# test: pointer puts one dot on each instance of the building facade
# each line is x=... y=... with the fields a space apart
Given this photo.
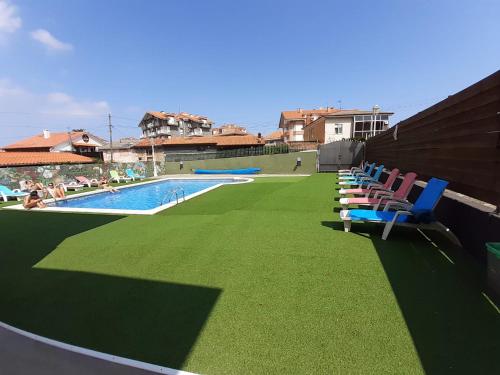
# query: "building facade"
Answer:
x=229 y=129
x=293 y=122
x=165 y=125
x=123 y=151
x=329 y=124
x=165 y=147
x=346 y=124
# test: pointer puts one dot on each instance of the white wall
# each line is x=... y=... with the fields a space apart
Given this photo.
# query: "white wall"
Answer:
x=330 y=135
x=121 y=156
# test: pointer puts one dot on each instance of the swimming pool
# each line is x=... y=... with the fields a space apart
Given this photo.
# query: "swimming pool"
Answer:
x=142 y=198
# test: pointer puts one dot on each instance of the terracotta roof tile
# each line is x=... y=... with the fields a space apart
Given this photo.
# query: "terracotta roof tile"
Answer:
x=179 y=116
x=303 y=113
x=278 y=134
x=8 y=159
x=229 y=140
x=38 y=141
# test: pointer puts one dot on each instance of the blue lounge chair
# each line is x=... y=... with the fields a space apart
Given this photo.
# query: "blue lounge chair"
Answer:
x=6 y=193
x=357 y=174
x=417 y=215
x=134 y=176
x=365 y=180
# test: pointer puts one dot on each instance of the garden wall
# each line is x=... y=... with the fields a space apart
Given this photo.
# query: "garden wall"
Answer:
x=457 y=139
x=279 y=164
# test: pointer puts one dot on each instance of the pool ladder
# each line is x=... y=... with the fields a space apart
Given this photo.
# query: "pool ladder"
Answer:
x=174 y=193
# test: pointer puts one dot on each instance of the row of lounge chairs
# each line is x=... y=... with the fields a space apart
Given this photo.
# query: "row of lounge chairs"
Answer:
x=115 y=177
x=80 y=183
x=389 y=205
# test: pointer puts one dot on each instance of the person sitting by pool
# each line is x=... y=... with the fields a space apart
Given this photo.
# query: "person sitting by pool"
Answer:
x=29 y=185
x=37 y=185
x=56 y=191
x=33 y=200
x=104 y=184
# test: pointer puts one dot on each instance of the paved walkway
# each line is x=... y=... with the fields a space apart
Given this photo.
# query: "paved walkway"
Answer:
x=20 y=355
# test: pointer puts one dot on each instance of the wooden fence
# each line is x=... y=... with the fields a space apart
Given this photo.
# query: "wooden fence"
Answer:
x=457 y=139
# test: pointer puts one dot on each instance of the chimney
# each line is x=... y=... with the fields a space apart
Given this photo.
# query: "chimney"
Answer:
x=46 y=134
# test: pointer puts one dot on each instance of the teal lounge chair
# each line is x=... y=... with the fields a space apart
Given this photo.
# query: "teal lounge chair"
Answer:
x=6 y=193
x=357 y=174
x=134 y=176
x=364 y=180
x=417 y=215
x=117 y=178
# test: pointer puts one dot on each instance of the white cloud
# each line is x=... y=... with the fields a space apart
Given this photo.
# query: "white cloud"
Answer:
x=24 y=112
x=9 y=20
x=50 y=41
x=61 y=104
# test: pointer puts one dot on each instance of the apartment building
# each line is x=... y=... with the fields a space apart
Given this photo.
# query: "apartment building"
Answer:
x=164 y=125
x=293 y=122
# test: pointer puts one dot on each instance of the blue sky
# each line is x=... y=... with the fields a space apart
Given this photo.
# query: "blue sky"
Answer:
x=68 y=63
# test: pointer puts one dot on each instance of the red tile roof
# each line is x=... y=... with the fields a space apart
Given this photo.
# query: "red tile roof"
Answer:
x=8 y=159
x=38 y=141
x=278 y=134
x=228 y=140
x=179 y=116
x=303 y=113
x=238 y=140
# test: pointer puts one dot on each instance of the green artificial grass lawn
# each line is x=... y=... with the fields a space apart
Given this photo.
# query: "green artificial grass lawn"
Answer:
x=254 y=278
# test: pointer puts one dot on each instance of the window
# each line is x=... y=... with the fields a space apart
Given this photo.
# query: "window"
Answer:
x=338 y=128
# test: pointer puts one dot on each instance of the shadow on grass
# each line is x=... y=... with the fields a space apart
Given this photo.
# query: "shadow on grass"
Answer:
x=151 y=321
x=439 y=291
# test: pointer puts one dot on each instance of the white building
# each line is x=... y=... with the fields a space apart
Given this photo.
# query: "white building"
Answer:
x=325 y=125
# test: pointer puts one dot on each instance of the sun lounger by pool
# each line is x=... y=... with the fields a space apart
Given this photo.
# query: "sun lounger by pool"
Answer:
x=6 y=193
x=117 y=178
x=381 y=197
x=373 y=186
x=134 y=176
x=417 y=215
x=72 y=186
x=357 y=174
x=364 y=180
x=363 y=168
x=87 y=182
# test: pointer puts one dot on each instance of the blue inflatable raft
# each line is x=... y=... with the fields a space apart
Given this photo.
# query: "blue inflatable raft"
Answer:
x=227 y=171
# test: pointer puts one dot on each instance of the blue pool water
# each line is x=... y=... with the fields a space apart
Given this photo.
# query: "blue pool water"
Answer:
x=142 y=197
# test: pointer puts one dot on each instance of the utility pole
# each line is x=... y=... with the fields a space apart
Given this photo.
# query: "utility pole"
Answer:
x=70 y=140
x=155 y=172
x=110 y=137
